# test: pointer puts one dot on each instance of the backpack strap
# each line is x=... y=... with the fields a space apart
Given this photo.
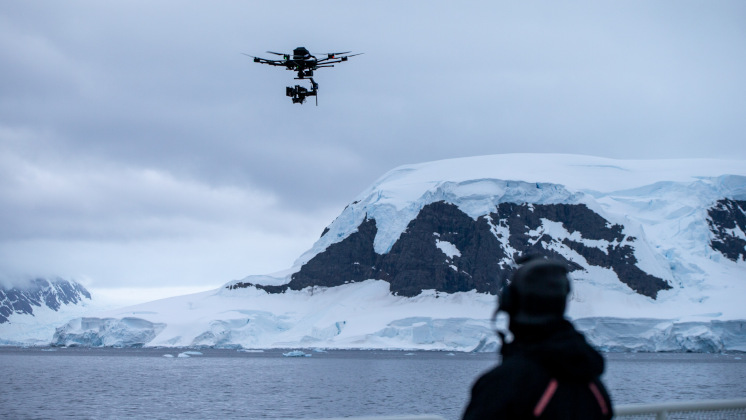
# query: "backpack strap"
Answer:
x=546 y=397
x=599 y=398
x=552 y=388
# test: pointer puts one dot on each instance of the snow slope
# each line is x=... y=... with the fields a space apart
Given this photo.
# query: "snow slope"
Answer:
x=31 y=309
x=663 y=203
x=358 y=315
x=365 y=316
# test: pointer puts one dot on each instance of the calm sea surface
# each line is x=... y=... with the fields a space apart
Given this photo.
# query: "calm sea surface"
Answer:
x=228 y=384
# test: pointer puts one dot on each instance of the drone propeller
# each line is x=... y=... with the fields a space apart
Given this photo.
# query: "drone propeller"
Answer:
x=335 y=54
x=338 y=57
x=284 y=56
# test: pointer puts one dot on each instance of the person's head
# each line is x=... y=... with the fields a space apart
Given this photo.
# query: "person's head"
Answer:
x=537 y=292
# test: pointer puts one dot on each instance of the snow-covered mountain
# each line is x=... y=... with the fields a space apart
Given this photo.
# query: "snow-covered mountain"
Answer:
x=658 y=250
x=28 y=308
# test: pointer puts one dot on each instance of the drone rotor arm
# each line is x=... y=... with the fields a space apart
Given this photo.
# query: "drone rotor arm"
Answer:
x=333 y=54
x=329 y=61
x=270 y=62
x=337 y=57
x=284 y=56
x=266 y=61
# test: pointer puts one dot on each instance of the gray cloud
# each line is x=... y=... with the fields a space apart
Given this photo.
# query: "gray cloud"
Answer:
x=141 y=123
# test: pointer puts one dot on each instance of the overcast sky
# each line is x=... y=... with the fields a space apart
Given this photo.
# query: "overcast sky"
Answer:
x=140 y=149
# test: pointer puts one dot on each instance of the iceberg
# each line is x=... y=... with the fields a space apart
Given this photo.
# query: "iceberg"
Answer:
x=296 y=353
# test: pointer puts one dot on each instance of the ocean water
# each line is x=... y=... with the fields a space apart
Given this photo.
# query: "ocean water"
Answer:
x=77 y=383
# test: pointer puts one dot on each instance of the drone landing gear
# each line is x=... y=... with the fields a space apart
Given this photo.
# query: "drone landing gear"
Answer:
x=299 y=93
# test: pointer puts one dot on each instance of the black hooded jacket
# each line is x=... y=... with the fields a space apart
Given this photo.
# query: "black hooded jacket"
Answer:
x=549 y=371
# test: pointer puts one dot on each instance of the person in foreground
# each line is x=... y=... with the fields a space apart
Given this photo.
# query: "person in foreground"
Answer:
x=548 y=370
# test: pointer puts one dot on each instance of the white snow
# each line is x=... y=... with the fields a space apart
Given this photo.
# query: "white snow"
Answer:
x=364 y=315
x=448 y=248
x=36 y=329
x=296 y=353
x=659 y=189
x=661 y=203
x=355 y=315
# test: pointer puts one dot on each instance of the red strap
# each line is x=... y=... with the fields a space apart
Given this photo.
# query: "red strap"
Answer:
x=548 y=393
x=599 y=398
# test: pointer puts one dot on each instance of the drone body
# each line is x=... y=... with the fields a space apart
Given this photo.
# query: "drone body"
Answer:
x=303 y=63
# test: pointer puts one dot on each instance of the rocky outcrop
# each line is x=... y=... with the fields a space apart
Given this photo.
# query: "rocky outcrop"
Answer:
x=727 y=220
x=444 y=249
x=38 y=293
x=599 y=242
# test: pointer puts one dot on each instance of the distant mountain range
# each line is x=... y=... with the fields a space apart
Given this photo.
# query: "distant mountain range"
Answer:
x=26 y=296
x=657 y=250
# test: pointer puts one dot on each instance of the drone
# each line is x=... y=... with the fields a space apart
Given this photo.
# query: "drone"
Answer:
x=304 y=63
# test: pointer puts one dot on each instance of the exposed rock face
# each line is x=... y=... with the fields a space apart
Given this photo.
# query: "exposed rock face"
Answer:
x=446 y=250
x=37 y=293
x=728 y=224
x=599 y=242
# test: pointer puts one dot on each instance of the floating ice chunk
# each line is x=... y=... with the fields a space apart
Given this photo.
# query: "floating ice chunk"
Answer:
x=168 y=355
x=296 y=353
x=183 y=355
x=192 y=353
x=250 y=351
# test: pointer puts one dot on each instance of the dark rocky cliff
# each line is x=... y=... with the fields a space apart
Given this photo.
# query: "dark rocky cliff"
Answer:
x=482 y=250
x=727 y=220
x=37 y=293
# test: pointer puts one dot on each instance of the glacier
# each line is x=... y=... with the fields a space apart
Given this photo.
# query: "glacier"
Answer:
x=364 y=315
x=666 y=205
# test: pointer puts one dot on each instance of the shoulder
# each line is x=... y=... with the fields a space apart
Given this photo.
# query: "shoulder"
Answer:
x=506 y=390
x=508 y=372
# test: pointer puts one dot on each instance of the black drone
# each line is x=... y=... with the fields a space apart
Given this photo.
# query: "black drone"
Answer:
x=304 y=63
